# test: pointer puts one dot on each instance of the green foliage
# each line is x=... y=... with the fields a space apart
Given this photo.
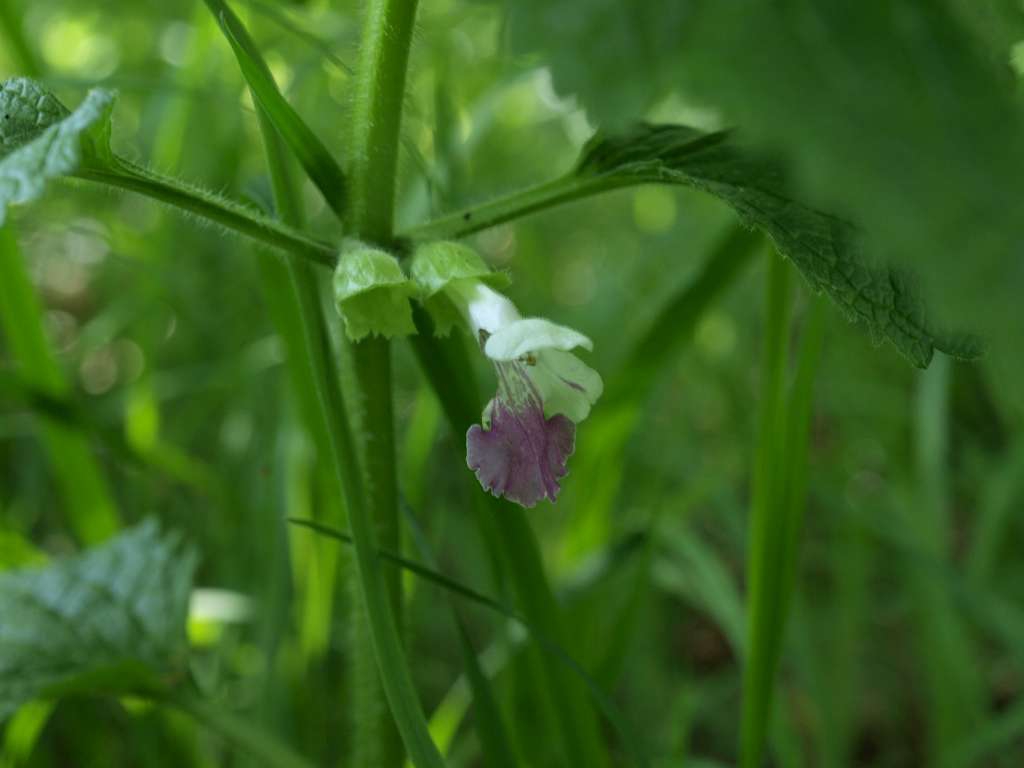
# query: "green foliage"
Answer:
x=878 y=109
x=41 y=140
x=109 y=620
x=147 y=363
x=904 y=118
x=826 y=249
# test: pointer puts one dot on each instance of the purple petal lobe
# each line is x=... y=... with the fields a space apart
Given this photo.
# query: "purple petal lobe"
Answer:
x=522 y=455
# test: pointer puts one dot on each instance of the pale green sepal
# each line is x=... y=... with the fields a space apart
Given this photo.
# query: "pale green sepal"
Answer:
x=567 y=385
x=437 y=268
x=531 y=335
x=41 y=140
x=372 y=293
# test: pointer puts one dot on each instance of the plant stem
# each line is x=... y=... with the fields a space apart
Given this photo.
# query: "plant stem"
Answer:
x=377 y=114
x=376 y=743
x=230 y=215
x=548 y=194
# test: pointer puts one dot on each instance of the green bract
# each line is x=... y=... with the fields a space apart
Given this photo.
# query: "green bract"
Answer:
x=441 y=265
x=40 y=139
x=372 y=293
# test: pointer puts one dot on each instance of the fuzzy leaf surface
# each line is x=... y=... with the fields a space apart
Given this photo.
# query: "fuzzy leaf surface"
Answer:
x=111 y=619
x=40 y=139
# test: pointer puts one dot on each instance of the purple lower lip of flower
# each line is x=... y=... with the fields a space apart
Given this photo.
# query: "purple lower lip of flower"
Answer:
x=522 y=456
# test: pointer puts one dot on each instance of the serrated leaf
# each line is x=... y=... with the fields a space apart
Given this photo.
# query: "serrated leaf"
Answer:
x=904 y=117
x=41 y=140
x=111 y=619
x=372 y=293
x=435 y=265
x=825 y=249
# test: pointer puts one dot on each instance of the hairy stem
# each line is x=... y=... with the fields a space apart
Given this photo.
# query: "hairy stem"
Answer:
x=228 y=214
x=516 y=205
x=377 y=114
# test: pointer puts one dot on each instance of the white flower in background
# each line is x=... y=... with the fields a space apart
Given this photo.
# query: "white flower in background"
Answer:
x=528 y=428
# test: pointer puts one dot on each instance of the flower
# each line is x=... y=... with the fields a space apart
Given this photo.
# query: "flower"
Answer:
x=528 y=429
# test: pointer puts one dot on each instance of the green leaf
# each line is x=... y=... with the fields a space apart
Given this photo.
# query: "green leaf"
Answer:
x=372 y=293
x=825 y=249
x=311 y=153
x=41 y=140
x=111 y=620
x=435 y=265
x=904 y=117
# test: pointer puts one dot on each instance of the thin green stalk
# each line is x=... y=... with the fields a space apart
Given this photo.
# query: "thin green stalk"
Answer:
x=548 y=194
x=254 y=740
x=954 y=700
x=230 y=215
x=377 y=114
x=763 y=568
x=797 y=435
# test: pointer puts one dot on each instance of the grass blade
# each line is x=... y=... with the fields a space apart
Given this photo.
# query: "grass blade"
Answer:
x=495 y=743
x=777 y=506
x=764 y=568
x=954 y=699
x=555 y=649
x=311 y=153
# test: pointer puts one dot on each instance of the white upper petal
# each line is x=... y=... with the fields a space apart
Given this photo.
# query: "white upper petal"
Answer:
x=532 y=334
x=484 y=308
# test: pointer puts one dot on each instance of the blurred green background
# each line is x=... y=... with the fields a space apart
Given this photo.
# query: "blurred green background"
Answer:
x=906 y=642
